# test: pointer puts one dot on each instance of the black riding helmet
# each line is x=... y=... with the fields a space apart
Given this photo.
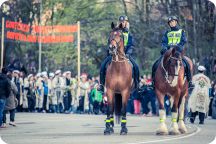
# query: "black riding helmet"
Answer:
x=172 y=18
x=123 y=18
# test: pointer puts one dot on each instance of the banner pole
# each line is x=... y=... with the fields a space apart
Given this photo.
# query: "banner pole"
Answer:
x=78 y=59
x=40 y=45
x=2 y=43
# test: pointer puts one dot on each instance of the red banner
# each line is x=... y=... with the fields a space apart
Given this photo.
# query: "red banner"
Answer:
x=49 y=34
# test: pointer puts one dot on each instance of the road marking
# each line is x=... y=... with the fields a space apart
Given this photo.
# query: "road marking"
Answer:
x=169 y=139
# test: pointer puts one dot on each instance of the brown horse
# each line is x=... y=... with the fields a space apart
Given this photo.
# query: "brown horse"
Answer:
x=170 y=80
x=118 y=81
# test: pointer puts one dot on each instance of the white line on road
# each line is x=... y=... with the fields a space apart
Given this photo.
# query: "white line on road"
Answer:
x=169 y=139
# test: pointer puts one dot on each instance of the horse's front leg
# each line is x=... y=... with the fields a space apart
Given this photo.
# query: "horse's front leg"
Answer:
x=174 y=130
x=125 y=97
x=109 y=120
x=162 y=130
x=182 y=127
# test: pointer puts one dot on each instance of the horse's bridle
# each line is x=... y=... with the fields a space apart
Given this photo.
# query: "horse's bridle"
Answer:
x=166 y=72
x=115 y=49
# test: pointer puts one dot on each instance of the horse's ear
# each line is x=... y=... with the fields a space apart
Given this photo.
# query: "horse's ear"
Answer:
x=120 y=26
x=112 y=25
x=173 y=50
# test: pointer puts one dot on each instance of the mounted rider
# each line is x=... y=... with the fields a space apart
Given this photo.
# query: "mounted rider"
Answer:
x=174 y=37
x=128 y=47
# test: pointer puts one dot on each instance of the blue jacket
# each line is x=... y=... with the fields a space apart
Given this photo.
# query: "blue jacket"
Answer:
x=45 y=85
x=164 y=42
x=130 y=45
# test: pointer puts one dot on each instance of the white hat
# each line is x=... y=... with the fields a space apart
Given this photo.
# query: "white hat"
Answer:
x=51 y=74
x=45 y=76
x=201 y=68
x=38 y=75
x=16 y=71
x=29 y=76
x=67 y=72
x=44 y=73
x=57 y=72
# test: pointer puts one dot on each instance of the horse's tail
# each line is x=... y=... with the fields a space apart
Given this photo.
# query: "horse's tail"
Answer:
x=118 y=106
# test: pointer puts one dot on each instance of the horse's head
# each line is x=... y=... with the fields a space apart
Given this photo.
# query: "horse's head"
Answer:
x=175 y=57
x=116 y=40
x=172 y=63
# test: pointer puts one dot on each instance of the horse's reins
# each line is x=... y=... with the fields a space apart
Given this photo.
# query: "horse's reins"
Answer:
x=166 y=72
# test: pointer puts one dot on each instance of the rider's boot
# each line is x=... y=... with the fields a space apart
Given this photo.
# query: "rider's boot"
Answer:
x=188 y=74
x=102 y=81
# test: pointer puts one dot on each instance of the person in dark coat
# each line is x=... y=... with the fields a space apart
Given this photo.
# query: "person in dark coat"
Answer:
x=5 y=89
x=11 y=103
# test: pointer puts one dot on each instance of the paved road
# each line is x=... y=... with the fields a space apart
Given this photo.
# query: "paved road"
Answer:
x=38 y=128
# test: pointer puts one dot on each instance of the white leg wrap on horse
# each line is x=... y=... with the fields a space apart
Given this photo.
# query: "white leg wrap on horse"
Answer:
x=162 y=127
x=174 y=128
x=181 y=109
x=182 y=127
x=162 y=115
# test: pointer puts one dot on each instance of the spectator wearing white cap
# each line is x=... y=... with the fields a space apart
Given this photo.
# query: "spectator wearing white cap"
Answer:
x=45 y=92
x=58 y=88
x=18 y=82
x=199 y=99
x=68 y=88
x=38 y=92
x=51 y=94
x=83 y=98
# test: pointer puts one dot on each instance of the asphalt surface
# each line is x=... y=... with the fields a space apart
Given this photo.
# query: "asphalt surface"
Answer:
x=41 y=128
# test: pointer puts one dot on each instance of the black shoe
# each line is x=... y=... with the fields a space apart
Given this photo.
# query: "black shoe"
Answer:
x=192 y=120
x=190 y=85
x=201 y=122
x=101 y=88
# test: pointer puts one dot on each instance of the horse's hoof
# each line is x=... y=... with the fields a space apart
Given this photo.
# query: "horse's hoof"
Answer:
x=107 y=131
x=124 y=131
x=111 y=130
x=182 y=131
x=161 y=133
x=174 y=133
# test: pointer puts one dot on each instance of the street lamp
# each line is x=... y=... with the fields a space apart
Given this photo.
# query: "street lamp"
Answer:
x=5 y=11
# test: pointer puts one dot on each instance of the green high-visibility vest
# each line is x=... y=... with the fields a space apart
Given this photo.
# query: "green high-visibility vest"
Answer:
x=126 y=34
x=174 y=37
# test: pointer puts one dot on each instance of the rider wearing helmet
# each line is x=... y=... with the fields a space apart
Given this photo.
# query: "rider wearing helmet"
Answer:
x=173 y=37
x=128 y=47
